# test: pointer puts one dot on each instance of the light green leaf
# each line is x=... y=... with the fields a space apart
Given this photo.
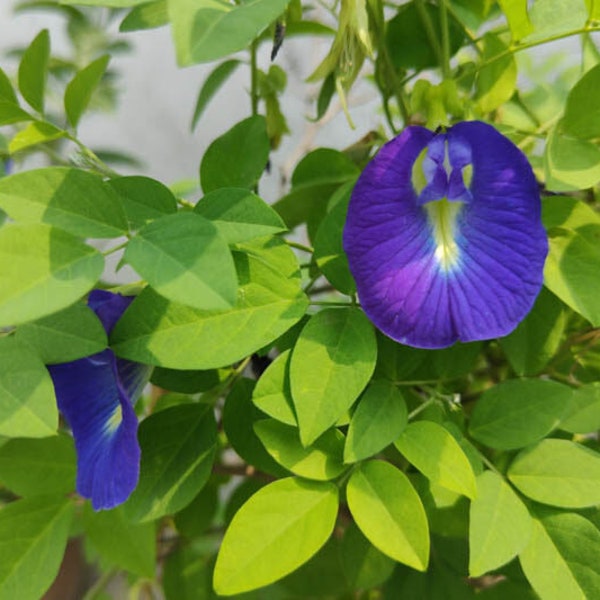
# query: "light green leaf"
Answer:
x=329 y=252
x=517 y=17
x=80 y=89
x=64 y=336
x=126 y=545
x=496 y=82
x=146 y=16
x=533 y=343
x=38 y=132
x=571 y=269
x=272 y=393
x=435 y=452
x=322 y=460
x=378 y=420
x=238 y=157
x=111 y=3
x=388 y=510
x=519 y=412
x=27 y=401
x=185 y=259
x=561 y=560
x=30 y=467
x=33 y=70
x=144 y=199
x=584 y=415
x=568 y=212
x=44 y=270
x=217 y=77
x=12 y=113
x=178 y=448
x=70 y=199
x=593 y=7
x=331 y=364
x=278 y=529
x=559 y=473
x=570 y=163
x=239 y=214
x=206 y=30
x=33 y=537
x=156 y=331
x=500 y=525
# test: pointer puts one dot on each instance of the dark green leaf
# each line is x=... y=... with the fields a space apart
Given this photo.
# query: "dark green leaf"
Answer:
x=80 y=89
x=582 y=112
x=185 y=382
x=237 y=158
x=6 y=89
x=33 y=70
x=584 y=415
x=27 y=401
x=324 y=165
x=212 y=84
x=12 y=113
x=70 y=199
x=178 y=448
x=37 y=260
x=185 y=259
x=64 y=336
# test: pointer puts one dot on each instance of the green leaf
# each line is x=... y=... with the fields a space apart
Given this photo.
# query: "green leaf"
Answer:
x=70 y=199
x=33 y=70
x=200 y=513
x=570 y=163
x=519 y=412
x=186 y=574
x=7 y=92
x=238 y=157
x=500 y=525
x=559 y=473
x=568 y=212
x=212 y=84
x=239 y=416
x=378 y=420
x=30 y=467
x=144 y=199
x=178 y=449
x=561 y=560
x=582 y=111
x=270 y=301
x=533 y=343
x=38 y=132
x=67 y=335
x=435 y=452
x=12 y=113
x=593 y=7
x=584 y=414
x=146 y=16
x=206 y=30
x=33 y=538
x=331 y=364
x=517 y=17
x=80 y=89
x=329 y=252
x=126 y=545
x=27 y=401
x=239 y=215
x=185 y=259
x=37 y=262
x=364 y=565
x=324 y=165
x=389 y=512
x=272 y=393
x=110 y=3
x=571 y=269
x=186 y=382
x=496 y=82
x=322 y=460
x=277 y=530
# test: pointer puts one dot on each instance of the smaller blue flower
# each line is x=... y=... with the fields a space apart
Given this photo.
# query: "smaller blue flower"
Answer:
x=96 y=396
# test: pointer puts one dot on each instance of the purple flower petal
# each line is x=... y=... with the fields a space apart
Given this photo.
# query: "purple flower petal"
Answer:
x=104 y=426
x=108 y=307
x=444 y=236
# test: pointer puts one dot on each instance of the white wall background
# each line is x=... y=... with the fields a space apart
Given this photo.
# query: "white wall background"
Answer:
x=156 y=101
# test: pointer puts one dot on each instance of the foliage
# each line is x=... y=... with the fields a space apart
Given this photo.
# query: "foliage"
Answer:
x=289 y=449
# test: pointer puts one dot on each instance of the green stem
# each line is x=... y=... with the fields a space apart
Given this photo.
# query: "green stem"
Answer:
x=420 y=409
x=115 y=248
x=98 y=587
x=299 y=246
x=488 y=463
x=445 y=39
x=94 y=162
x=253 y=78
x=326 y=303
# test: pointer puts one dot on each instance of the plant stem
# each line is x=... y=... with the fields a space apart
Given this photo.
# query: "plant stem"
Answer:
x=253 y=78
x=326 y=303
x=420 y=409
x=98 y=587
x=445 y=53
x=299 y=246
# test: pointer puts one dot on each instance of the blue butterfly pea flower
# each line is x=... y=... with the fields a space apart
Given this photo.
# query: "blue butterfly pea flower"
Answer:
x=96 y=395
x=444 y=236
